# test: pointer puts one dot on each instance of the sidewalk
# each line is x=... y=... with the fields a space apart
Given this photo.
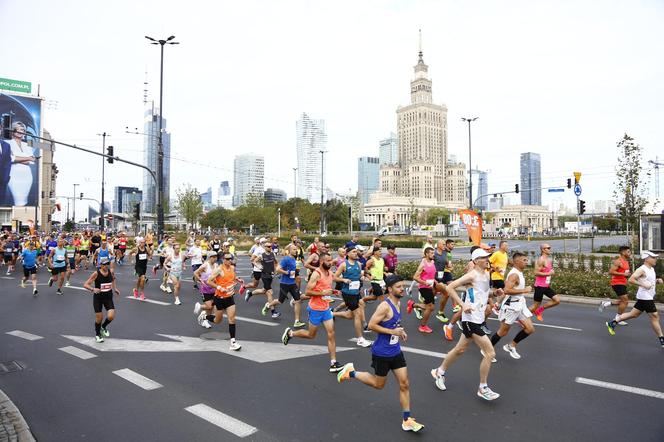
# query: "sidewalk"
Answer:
x=12 y=425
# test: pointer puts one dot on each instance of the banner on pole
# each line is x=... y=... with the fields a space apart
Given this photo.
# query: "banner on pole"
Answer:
x=473 y=223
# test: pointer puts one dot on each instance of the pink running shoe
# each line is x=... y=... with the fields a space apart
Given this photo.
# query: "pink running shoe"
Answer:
x=242 y=289
x=142 y=296
x=538 y=313
x=425 y=329
x=409 y=306
x=135 y=293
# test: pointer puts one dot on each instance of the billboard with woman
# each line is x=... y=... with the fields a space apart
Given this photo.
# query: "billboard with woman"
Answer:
x=19 y=174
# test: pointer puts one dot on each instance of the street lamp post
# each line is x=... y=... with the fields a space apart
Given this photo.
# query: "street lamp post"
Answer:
x=103 y=169
x=295 y=181
x=160 y=148
x=322 y=189
x=279 y=222
x=470 y=162
x=73 y=218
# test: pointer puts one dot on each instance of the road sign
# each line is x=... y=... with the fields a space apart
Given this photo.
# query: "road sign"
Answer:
x=577 y=176
x=556 y=190
x=577 y=189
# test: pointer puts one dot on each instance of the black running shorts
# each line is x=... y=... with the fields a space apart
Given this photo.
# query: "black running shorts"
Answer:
x=382 y=365
x=540 y=292
x=223 y=303
x=104 y=300
x=470 y=329
x=647 y=306
x=619 y=289
x=351 y=301
x=288 y=289
x=141 y=270
x=427 y=294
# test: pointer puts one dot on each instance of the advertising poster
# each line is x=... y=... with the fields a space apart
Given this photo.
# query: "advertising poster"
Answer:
x=473 y=223
x=19 y=161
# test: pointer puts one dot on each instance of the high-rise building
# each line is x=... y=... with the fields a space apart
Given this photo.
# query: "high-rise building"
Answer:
x=130 y=199
x=480 y=189
x=224 y=197
x=275 y=195
x=248 y=174
x=118 y=198
x=311 y=140
x=456 y=185
x=389 y=150
x=531 y=179
x=151 y=148
x=206 y=199
x=368 y=177
x=224 y=188
x=495 y=203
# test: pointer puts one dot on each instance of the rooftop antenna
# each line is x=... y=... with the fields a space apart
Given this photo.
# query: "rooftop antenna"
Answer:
x=145 y=88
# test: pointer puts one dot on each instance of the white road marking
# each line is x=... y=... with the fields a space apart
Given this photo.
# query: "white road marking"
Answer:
x=416 y=350
x=77 y=288
x=221 y=420
x=151 y=301
x=25 y=335
x=549 y=326
x=137 y=379
x=620 y=387
x=6 y=277
x=257 y=321
x=75 y=351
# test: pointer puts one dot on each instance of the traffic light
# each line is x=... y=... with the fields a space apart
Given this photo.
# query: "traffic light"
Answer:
x=582 y=207
x=7 y=127
x=569 y=183
x=137 y=211
x=516 y=188
x=109 y=152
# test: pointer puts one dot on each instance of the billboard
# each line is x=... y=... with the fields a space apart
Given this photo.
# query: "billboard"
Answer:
x=19 y=161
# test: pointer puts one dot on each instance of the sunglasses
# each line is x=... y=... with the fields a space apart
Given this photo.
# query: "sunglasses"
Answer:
x=546 y=248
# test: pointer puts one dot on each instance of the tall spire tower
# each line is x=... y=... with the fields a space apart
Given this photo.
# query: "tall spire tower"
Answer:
x=420 y=87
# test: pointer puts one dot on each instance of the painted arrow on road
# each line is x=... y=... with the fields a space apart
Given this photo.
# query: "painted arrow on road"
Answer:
x=252 y=350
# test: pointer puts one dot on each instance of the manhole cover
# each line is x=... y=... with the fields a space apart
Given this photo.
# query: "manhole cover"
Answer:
x=10 y=367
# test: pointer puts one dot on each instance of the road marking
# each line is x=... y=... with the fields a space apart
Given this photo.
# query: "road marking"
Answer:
x=151 y=301
x=75 y=351
x=76 y=288
x=25 y=335
x=137 y=379
x=257 y=321
x=620 y=387
x=222 y=420
x=6 y=277
x=549 y=326
x=416 y=350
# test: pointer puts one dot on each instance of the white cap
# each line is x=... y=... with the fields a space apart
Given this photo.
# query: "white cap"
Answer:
x=230 y=238
x=226 y=243
x=479 y=253
x=360 y=247
x=648 y=254
x=211 y=253
x=262 y=240
x=257 y=238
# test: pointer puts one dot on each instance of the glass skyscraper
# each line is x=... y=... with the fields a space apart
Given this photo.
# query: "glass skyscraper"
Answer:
x=311 y=139
x=389 y=150
x=531 y=179
x=248 y=173
x=151 y=145
x=368 y=177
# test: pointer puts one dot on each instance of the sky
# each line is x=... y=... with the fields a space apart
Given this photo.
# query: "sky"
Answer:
x=565 y=79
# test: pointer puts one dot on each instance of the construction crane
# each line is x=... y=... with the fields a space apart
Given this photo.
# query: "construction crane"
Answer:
x=656 y=165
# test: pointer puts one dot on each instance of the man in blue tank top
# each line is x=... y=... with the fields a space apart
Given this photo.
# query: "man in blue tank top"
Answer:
x=57 y=260
x=386 y=351
x=349 y=273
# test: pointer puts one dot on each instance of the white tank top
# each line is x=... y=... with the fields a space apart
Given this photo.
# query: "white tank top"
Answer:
x=649 y=294
x=520 y=286
x=477 y=296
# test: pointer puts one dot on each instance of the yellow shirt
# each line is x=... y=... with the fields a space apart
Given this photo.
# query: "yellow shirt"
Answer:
x=498 y=260
x=204 y=245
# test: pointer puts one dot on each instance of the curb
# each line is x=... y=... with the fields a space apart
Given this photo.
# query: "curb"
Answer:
x=17 y=428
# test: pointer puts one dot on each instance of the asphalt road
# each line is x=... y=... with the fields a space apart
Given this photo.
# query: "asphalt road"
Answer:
x=290 y=396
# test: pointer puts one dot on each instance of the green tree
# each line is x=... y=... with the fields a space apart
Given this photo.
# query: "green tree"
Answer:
x=631 y=183
x=216 y=218
x=190 y=205
x=432 y=215
x=608 y=223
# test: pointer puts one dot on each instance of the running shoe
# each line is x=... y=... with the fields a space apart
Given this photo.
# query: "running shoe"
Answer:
x=449 y=332
x=298 y=324
x=67 y=284
x=538 y=313
x=99 y=339
x=440 y=379
x=177 y=301
x=603 y=305
x=493 y=360
x=361 y=342
x=344 y=374
x=104 y=332
x=8 y=273
x=201 y=318
x=168 y=289
x=58 y=292
x=418 y=313
x=487 y=394
x=409 y=306
x=623 y=323
x=336 y=367
x=207 y=324
x=661 y=341
x=197 y=308
x=366 y=328
x=142 y=296
x=275 y=315
x=292 y=302
x=248 y=295
x=135 y=292
x=424 y=329
x=242 y=289
x=35 y=292
x=22 y=284
x=612 y=331
x=50 y=282
x=235 y=346
x=411 y=425
x=285 y=337
x=442 y=318
x=265 y=308
x=162 y=288
x=456 y=308
x=512 y=351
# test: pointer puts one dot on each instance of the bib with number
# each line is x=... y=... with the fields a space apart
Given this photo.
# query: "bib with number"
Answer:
x=440 y=275
x=142 y=256
x=106 y=286
x=354 y=285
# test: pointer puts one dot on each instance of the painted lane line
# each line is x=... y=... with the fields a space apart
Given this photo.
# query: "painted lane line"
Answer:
x=137 y=379
x=75 y=351
x=76 y=288
x=549 y=326
x=25 y=335
x=151 y=301
x=416 y=350
x=221 y=420
x=620 y=387
x=257 y=321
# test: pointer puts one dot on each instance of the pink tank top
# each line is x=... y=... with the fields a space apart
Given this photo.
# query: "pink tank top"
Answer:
x=544 y=281
x=428 y=274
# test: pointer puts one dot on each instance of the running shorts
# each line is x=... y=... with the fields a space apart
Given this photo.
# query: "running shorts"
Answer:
x=83 y=252
x=257 y=275
x=619 y=289
x=8 y=257
x=497 y=283
x=317 y=317
x=427 y=294
x=513 y=312
x=285 y=290
x=207 y=297
x=141 y=270
x=382 y=365
x=644 y=305
x=223 y=303
x=376 y=289
x=351 y=301
x=267 y=282
x=57 y=270
x=447 y=277
x=540 y=292
x=162 y=259
x=27 y=271
x=470 y=328
x=104 y=300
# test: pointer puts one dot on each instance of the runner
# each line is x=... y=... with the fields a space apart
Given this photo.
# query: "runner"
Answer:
x=201 y=276
x=224 y=279
x=70 y=250
x=443 y=266
x=83 y=252
x=313 y=262
x=647 y=281
x=425 y=277
x=196 y=255
x=174 y=265
x=95 y=243
x=513 y=307
x=287 y=269
x=375 y=271
x=318 y=287
x=476 y=299
x=391 y=260
x=29 y=259
x=386 y=354
x=149 y=241
x=619 y=272
x=142 y=254
x=543 y=273
x=104 y=286
x=215 y=244
x=102 y=252
x=256 y=254
x=121 y=248
x=8 y=253
x=57 y=260
x=428 y=244
x=349 y=274
x=498 y=263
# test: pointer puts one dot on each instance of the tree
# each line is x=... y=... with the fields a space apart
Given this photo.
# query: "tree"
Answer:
x=631 y=184
x=190 y=205
x=432 y=215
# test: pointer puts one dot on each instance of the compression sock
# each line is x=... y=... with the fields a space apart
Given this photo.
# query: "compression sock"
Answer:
x=231 y=330
x=495 y=338
x=520 y=336
x=97 y=329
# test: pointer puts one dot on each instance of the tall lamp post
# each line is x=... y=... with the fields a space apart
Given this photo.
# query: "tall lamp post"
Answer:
x=470 y=162
x=295 y=181
x=322 y=188
x=103 y=169
x=73 y=217
x=160 y=148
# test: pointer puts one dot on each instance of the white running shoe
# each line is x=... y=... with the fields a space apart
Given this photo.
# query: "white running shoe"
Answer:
x=623 y=323
x=292 y=302
x=162 y=288
x=22 y=284
x=201 y=318
x=493 y=360
x=177 y=301
x=207 y=324
x=361 y=342
x=235 y=346
x=603 y=305
x=487 y=394
x=168 y=289
x=512 y=351
x=197 y=308
x=440 y=380
x=67 y=284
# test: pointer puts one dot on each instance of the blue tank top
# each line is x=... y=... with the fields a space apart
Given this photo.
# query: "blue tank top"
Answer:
x=353 y=272
x=59 y=257
x=385 y=345
x=102 y=253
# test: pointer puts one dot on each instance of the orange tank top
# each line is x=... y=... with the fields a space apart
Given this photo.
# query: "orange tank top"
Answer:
x=225 y=280
x=324 y=283
x=621 y=280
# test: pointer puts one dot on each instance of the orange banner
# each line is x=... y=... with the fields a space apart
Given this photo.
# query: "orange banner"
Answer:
x=31 y=225
x=473 y=223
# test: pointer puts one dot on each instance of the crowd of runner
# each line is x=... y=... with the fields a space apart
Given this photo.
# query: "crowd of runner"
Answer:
x=335 y=285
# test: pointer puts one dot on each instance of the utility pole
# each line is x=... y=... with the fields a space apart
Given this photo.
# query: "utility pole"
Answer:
x=73 y=218
x=295 y=182
x=279 y=222
x=103 y=169
x=470 y=162
x=322 y=189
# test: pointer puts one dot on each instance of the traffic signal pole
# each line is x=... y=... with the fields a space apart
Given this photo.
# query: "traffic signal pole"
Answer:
x=578 y=225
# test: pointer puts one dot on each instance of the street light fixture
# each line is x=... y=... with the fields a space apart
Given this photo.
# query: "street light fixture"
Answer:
x=160 y=151
x=470 y=162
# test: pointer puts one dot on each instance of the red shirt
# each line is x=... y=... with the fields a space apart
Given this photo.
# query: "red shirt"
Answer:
x=324 y=283
x=621 y=280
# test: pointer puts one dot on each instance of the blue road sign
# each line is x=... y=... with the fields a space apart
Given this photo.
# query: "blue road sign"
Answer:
x=577 y=189
x=557 y=190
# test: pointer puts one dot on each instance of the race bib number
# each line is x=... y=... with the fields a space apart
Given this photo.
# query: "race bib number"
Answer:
x=142 y=256
x=106 y=286
x=394 y=339
x=548 y=280
x=440 y=275
x=8 y=250
x=59 y=259
x=216 y=246
x=291 y=274
x=70 y=254
x=354 y=285
x=429 y=282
